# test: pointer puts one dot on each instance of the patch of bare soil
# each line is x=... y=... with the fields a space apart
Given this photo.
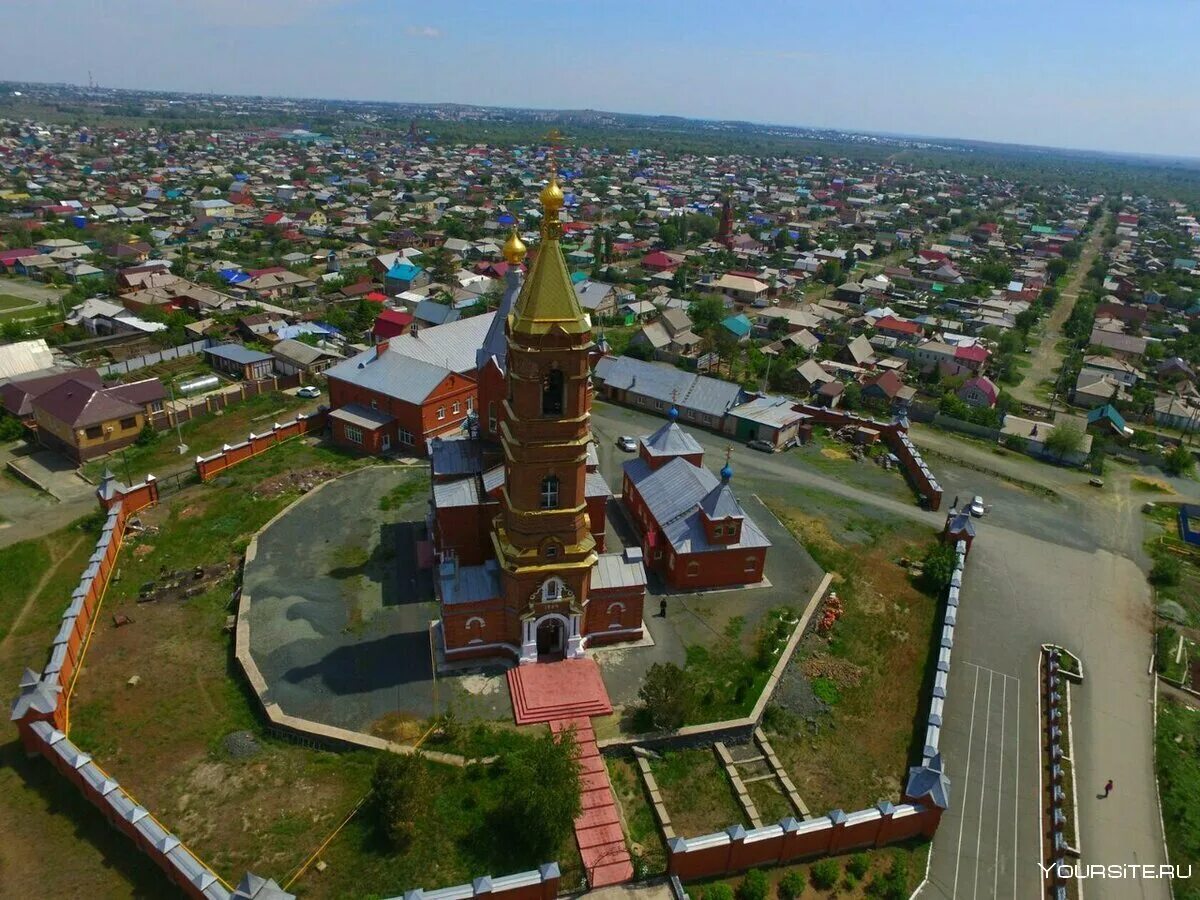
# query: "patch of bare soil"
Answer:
x=301 y=481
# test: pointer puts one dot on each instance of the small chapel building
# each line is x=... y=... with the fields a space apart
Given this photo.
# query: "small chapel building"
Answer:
x=517 y=512
x=695 y=533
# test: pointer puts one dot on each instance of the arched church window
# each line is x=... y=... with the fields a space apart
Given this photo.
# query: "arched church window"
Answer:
x=492 y=416
x=552 y=589
x=553 y=390
x=549 y=492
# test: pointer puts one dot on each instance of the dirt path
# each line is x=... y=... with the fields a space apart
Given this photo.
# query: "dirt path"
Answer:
x=36 y=590
x=1046 y=357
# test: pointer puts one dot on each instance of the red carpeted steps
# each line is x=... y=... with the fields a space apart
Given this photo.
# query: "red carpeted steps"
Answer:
x=570 y=688
x=598 y=827
x=566 y=694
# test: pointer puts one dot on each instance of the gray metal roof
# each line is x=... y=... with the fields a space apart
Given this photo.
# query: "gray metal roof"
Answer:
x=596 y=486
x=463 y=492
x=237 y=353
x=673 y=494
x=391 y=373
x=614 y=570
x=720 y=503
x=776 y=412
x=362 y=416
x=669 y=385
x=454 y=456
x=671 y=440
x=470 y=584
x=452 y=345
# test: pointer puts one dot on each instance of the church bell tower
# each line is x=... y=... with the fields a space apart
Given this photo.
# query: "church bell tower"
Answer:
x=542 y=537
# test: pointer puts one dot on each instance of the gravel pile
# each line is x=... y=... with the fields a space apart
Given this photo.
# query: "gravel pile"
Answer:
x=241 y=744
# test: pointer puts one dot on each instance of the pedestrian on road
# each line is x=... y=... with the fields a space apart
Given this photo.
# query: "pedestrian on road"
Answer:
x=1108 y=786
x=662 y=608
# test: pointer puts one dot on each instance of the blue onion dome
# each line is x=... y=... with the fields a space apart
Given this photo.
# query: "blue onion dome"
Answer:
x=726 y=472
x=673 y=414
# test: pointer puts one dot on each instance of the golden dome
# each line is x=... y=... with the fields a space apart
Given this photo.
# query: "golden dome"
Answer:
x=552 y=195
x=514 y=248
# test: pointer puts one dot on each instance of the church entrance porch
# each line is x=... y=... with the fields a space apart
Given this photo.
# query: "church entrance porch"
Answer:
x=550 y=642
x=551 y=636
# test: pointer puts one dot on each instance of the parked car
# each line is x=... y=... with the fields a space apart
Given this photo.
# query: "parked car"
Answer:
x=627 y=443
x=759 y=444
x=976 y=506
x=309 y=390
x=1096 y=482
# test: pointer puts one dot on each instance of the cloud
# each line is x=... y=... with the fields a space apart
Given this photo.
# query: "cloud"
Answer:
x=423 y=31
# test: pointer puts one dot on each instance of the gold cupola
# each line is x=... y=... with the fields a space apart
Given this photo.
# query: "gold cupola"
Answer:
x=514 y=248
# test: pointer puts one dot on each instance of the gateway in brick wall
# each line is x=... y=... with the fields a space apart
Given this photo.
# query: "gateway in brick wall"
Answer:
x=517 y=511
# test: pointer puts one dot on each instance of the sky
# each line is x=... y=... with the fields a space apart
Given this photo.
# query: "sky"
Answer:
x=1096 y=75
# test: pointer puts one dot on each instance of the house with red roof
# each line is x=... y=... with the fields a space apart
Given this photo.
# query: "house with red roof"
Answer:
x=973 y=357
x=660 y=261
x=391 y=323
x=900 y=329
x=979 y=392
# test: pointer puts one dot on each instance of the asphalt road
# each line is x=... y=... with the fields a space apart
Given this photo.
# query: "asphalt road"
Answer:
x=1053 y=562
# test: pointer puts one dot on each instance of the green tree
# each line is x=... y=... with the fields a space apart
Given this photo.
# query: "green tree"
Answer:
x=707 y=312
x=1065 y=438
x=401 y=785
x=791 y=885
x=541 y=795
x=667 y=696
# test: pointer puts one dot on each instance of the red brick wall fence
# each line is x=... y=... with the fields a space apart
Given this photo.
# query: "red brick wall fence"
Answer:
x=736 y=849
x=41 y=713
x=898 y=441
x=208 y=467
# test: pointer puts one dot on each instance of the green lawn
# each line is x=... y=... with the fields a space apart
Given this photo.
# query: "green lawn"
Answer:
x=697 y=792
x=9 y=302
x=1178 y=763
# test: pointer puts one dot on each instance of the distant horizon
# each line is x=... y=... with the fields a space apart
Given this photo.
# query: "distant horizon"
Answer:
x=978 y=74
x=934 y=138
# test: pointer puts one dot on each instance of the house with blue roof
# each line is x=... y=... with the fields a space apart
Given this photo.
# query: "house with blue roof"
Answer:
x=404 y=276
x=739 y=326
x=1108 y=419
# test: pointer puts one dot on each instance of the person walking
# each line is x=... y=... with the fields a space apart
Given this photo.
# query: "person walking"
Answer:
x=1108 y=786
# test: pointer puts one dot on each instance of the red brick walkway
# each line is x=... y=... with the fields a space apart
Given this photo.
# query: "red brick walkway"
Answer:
x=565 y=694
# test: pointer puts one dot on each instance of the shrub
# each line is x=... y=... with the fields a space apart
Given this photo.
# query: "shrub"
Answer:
x=1166 y=571
x=754 y=886
x=892 y=885
x=824 y=874
x=718 y=891
x=148 y=437
x=1179 y=461
x=937 y=568
x=858 y=865
x=791 y=885
x=667 y=696
x=10 y=428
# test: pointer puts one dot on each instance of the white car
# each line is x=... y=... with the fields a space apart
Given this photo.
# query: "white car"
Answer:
x=976 y=507
x=627 y=443
x=309 y=390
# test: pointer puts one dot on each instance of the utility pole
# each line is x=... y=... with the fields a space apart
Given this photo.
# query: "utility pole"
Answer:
x=175 y=412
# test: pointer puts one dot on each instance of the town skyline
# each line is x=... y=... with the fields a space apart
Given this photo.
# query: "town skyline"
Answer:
x=976 y=79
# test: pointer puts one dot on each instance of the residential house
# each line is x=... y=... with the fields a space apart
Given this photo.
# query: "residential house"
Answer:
x=382 y=400
x=293 y=356
x=240 y=362
x=82 y=421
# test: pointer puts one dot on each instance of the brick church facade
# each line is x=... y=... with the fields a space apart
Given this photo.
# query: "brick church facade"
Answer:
x=517 y=513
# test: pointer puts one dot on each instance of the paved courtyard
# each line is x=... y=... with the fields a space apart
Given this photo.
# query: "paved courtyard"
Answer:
x=340 y=612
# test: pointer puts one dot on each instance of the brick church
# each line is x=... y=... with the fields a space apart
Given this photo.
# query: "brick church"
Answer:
x=517 y=514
